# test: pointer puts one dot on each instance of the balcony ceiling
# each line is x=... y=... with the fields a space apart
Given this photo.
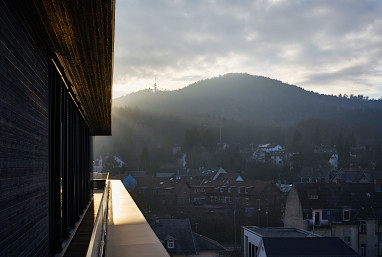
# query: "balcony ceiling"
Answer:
x=81 y=34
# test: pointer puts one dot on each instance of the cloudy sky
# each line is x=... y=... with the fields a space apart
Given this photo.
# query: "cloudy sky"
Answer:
x=330 y=47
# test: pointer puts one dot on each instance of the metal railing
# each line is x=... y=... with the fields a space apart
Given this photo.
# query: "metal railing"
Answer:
x=97 y=240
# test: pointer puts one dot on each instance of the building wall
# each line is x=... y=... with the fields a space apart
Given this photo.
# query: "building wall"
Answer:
x=369 y=238
x=24 y=143
x=380 y=240
x=44 y=141
x=205 y=254
x=293 y=211
x=248 y=238
x=344 y=231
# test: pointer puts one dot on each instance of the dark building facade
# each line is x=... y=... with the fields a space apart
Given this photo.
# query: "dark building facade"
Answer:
x=55 y=79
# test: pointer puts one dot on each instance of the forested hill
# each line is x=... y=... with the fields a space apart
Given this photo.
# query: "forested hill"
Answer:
x=248 y=98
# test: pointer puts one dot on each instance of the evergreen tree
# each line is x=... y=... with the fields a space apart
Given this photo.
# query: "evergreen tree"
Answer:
x=144 y=163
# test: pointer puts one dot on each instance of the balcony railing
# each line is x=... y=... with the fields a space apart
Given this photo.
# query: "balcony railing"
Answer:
x=97 y=240
x=120 y=228
x=322 y=223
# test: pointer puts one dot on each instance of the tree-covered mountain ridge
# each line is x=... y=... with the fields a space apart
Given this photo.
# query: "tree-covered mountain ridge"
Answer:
x=249 y=98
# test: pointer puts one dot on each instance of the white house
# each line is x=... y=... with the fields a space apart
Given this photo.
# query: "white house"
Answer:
x=277 y=242
x=270 y=148
x=252 y=238
x=333 y=161
x=97 y=165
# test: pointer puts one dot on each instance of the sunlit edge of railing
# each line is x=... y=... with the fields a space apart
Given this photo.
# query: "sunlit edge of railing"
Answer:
x=97 y=240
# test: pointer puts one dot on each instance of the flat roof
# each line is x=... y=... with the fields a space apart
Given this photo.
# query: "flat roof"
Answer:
x=280 y=232
x=312 y=247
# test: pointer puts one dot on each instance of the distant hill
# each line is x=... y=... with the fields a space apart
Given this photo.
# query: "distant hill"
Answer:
x=248 y=98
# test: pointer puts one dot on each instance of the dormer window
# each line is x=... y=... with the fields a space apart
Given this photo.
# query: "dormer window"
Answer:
x=170 y=244
x=246 y=190
x=346 y=214
x=362 y=227
x=317 y=215
x=313 y=197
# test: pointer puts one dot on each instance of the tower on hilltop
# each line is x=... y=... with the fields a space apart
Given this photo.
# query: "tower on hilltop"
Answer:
x=155 y=85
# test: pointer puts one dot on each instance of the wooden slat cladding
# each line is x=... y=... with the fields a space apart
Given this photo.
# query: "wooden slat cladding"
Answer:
x=32 y=33
x=82 y=34
x=24 y=141
x=69 y=161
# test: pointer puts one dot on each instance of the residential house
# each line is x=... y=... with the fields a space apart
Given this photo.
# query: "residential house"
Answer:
x=351 y=212
x=177 y=237
x=121 y=164
x=258 y=201
x=98 y=165
x=359 y=176
x=270 y=153
x=217 y=174
x=252 y=237
x=333 y=161
x=270 y=147
x=221 y=174
x=158 y=195
x=315 y=175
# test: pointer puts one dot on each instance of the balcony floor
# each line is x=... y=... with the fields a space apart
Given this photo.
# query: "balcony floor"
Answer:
x=80 y=242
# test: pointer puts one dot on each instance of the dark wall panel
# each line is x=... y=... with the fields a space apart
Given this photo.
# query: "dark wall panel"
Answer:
x=24 y=141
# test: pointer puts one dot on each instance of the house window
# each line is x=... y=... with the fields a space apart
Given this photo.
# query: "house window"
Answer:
x=195 y=190
x=221 y=190
x=252 y=250
x=163 y=201
x=230 y=199
x=238 y=190
x=363 y=250
x=347 y=237
x=229 y=190
x=346 y=215
x=313 y=197
x=185 y=191
x=316 y=218
x=246 y=201
x=203 y=190
x=246 y=190
x=362 y=227
x=246 y=246
x=170 y=244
